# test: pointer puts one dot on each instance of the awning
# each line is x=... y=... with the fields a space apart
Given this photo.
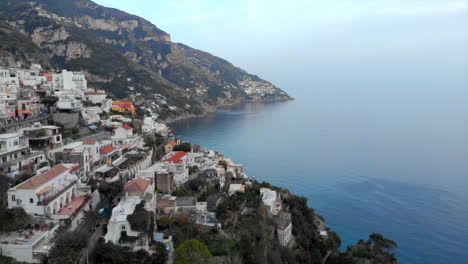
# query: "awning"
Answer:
x=46 y=189
x=25 y=112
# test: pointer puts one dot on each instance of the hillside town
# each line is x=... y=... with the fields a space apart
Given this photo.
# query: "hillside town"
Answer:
x=73 y=159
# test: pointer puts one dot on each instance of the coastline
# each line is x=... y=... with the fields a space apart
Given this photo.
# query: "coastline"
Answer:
x=216 y=108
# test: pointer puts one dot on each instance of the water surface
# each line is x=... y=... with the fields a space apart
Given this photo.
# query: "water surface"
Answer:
x=390 y=161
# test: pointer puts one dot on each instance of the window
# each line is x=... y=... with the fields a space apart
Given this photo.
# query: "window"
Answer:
x=13 y=198
x=31 y=200
x=57 y=138
x=123 y=227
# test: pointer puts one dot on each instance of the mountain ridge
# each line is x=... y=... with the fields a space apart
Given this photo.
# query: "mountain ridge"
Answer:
x=128 y=56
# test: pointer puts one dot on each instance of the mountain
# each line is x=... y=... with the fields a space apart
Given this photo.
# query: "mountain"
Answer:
x=125 y=55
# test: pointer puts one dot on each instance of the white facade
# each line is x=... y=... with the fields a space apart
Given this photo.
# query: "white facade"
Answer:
x=91 y=114
x=134 y=195
x=46 y=193
x=124 y=136
x=27 y=250
x=70 y=81
x=150 y=126
x=285 y=235
x=96 y=97
x=272 y=200
x=14 y=148
x=68 y=101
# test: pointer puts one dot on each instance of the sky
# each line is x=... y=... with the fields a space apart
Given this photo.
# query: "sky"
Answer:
x=297 y=44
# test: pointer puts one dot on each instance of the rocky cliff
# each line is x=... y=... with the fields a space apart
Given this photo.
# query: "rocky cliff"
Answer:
x=124 y=54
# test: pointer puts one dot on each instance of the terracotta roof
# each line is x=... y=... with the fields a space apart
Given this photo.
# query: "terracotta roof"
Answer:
x=74 y=206
x=127 y=127
x=176 y=158
x=137 y=186
x=173 y=143
x=77 y=168
x=89 y=142
x=107 y=149
x=42 y=178
x=165 y=203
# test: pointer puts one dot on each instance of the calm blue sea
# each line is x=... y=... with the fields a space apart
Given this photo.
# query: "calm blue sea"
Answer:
x=391 y=161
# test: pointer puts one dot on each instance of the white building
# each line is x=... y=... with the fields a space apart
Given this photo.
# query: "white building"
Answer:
x=47 y=193
x=91 y=114
x=236 y=188
x=68 y=101
x=150 y=126
x=136 y=191
x=284 y=228
x=15 y=154
x=94 y=149
x=272 y=200
x=44 y=137
x=124 y=136
x=70 y=81
x=177 y=164
x=27 y=247
x=98 y=97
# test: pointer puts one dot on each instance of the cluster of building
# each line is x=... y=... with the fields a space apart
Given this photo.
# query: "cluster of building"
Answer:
x=22 y=93
x=59 y=191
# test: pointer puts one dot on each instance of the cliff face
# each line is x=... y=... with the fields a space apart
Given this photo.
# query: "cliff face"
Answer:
x=118 y=50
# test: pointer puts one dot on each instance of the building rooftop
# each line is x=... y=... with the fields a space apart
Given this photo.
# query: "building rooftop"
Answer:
x=73 y=145
x=89 y=142
x=107 y=149
x=74 y=206
x=77 y=168
x=127 y=127
x=175 y=157
x=8 y=135
x=125 y=208
x=137 y=186
x=25 y=238
x=268 y=196
x=42 y=178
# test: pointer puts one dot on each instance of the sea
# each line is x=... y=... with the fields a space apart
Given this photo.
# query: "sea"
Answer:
x=392 y=161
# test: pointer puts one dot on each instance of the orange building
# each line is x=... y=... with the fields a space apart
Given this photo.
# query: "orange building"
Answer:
x=123 y=106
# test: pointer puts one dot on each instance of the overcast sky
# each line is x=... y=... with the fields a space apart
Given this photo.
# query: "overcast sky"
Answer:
x=301 y=43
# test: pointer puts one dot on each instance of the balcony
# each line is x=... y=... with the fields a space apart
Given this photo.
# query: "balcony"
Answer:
x=49 y=199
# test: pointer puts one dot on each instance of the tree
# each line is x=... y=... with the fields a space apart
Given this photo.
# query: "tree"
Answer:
x=68 y=246
x=223 y=163
x=186 y=146
x=112 y=254
x=378 y=241
x=141 y=220
x=164 y=222
x=91 y=219
x=110 y=190
x=161 y=254
x=13 y=219
x=192 y=252
x=49 y=101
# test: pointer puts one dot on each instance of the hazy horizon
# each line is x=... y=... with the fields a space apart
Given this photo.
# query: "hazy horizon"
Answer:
x=299 y=44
